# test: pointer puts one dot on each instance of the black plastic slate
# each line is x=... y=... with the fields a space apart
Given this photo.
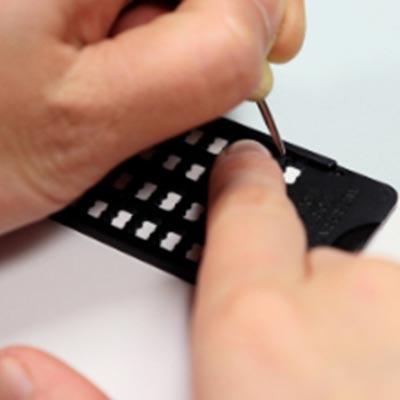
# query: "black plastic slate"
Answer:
x=153 y=208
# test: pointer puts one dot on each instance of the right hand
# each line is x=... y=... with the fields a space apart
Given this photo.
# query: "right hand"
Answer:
x=74 y=102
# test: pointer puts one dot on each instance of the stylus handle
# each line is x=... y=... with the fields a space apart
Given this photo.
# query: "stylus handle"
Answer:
x=265 y=86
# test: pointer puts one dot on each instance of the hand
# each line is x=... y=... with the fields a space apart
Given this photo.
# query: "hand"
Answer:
x=84 y=87
x=274 y=321
x=271 y=320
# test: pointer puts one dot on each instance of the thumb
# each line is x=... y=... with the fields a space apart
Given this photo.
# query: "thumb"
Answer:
x=26 y=373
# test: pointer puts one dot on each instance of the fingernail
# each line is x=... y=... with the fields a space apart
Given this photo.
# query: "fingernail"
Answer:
x=14 y=381
x=248 y=146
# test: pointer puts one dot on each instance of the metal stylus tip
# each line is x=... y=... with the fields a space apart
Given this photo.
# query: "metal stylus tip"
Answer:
x=271 y=125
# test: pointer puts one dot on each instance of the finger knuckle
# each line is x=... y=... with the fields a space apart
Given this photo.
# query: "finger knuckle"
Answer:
x=61 y=147
x=45 y=159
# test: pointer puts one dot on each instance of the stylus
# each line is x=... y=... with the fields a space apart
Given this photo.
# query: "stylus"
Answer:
x=259 y=96
x=271 y=125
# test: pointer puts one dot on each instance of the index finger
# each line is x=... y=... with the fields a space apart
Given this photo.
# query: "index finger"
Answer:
x=254 y=236
x=186 y=67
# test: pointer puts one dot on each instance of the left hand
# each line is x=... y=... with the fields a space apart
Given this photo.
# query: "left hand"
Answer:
x=276 y=321
x=271 y=320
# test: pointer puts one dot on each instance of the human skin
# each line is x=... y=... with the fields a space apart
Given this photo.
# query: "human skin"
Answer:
x=271 y=320
x=84 y=87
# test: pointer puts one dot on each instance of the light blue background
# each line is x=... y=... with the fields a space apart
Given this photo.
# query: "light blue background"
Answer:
x=340 y=97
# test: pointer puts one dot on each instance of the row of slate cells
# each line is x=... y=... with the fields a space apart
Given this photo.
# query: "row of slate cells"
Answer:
x=291 y=174
x=193 y=138
x=146 y=230
x=171 y=201
x=193 y=213
x=196 y=170
x=194 y=173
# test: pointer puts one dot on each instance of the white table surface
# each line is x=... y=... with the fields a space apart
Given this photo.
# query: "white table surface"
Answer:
x=124 y=324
